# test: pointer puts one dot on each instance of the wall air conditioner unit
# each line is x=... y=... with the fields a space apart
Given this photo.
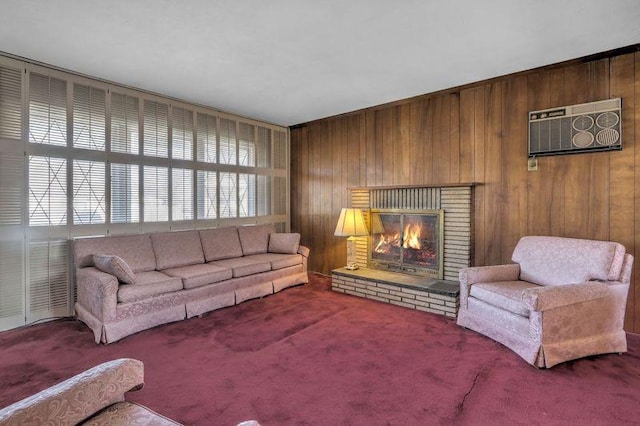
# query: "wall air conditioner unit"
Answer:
x=595 y=126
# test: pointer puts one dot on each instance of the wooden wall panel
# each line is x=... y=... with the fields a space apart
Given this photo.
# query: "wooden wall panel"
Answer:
x=478 y=133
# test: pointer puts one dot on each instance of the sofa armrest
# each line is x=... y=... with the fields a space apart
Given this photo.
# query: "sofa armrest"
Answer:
x=303 y=251
x=97 y=292
x=79 y=397
x=549 y=297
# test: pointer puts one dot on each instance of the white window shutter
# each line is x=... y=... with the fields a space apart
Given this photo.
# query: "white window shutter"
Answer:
x=124 y=124
x=10 y=103
x=89 y=117
x=47 y=191
x=228 y=142
x=263 y=147
x=280 y=160
x=206 y=138
x=48 y=291
x=182 y=133
x=88 y=192
x=182 y=194
x=228 y=195
x=207 y=189
x=47 y=110
x=246 y=145
x=156 y=194
x=156 y=129
x=125 y=199
x=246 y=195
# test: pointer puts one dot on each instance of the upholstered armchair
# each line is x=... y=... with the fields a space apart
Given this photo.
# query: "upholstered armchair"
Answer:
x=561 y=299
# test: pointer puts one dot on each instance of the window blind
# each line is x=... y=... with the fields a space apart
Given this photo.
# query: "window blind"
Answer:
x=246 y=195
x=124 y=123
x=156 y=129
x=47 y=191
x=88 y=192
x=246 y=145
x=206 y=137
x=228 y=143
x=207 y=187
x=182 y=133
x=47 y=110
x=125 y=193
x=89 y=109
x=156 y=194
x=10 y=103
x=182 y=194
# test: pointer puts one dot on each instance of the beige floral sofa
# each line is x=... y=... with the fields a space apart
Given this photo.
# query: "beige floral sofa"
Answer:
x=126 y=284
x=561 y=299
x=94 y=397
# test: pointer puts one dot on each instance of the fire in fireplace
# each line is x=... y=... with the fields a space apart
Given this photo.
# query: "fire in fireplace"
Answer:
x=407 y=241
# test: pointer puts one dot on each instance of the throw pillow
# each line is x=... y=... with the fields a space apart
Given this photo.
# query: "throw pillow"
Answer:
x=286 y=243
x=114 y=265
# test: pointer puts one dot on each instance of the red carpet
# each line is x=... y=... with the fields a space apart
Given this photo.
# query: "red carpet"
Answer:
x=309 y=356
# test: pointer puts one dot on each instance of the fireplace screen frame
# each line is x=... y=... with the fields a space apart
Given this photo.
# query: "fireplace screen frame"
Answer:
x=401 y=266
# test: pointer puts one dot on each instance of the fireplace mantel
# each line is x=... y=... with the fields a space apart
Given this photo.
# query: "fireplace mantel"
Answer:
x=436 y=185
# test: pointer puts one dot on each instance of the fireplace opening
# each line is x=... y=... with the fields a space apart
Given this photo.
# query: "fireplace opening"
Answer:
x=407 y=241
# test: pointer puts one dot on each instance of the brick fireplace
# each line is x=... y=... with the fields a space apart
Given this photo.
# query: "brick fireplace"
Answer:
x=434 y=288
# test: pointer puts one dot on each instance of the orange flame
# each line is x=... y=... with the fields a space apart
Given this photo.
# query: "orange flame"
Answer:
x=412 y=234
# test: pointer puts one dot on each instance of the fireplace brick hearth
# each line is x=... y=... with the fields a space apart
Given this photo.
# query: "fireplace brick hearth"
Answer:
x=424 y=294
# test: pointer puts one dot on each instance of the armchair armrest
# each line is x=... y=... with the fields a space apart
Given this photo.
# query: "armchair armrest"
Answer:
x=97 y=292
x=79 y=397
x=549 y=297
x=489 y=274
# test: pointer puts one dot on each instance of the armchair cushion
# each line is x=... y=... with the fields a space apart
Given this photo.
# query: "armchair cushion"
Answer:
x=220 y=243
x=254 y=239
x=175 y=249
x=506 y=295
x=540 y=298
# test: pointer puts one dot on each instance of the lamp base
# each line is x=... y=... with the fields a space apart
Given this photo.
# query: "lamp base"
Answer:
x=351 y=267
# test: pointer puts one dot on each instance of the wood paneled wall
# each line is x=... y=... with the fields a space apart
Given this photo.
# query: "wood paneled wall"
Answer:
x=478 y=133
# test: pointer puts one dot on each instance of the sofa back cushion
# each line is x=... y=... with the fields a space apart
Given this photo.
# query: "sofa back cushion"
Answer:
x=173 y=249
x=135 y=250
x=255 y=239
x=559 y=261
x=220 y=243
x=285 y=242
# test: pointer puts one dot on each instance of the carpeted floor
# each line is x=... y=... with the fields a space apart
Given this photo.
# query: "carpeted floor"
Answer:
x=309 y=356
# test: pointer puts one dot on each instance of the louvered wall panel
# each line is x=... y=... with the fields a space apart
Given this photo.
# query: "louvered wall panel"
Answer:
x=48 y=286
x=10 y=103
x=12 y=282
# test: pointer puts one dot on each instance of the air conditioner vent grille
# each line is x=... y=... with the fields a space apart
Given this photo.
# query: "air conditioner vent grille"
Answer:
x=595 y=126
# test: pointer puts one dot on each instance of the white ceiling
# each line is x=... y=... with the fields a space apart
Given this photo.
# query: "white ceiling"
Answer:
x=292 y=61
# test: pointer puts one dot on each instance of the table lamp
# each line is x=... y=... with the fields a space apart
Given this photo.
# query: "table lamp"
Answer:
x=351 y=224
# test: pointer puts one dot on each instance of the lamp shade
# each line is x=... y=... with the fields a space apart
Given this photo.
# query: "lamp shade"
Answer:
x=351 y=224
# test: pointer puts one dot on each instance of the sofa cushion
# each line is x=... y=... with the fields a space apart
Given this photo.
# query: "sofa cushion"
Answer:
x=506 y=295
x=115 y=266
x=243 y=266
x=254 y=239
x=173 y=249
x=148 y=284
x=135 y=250
x=277 y=261
x=220 y=243
x=286 y=242
x=198 y=275
x=559 y=261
